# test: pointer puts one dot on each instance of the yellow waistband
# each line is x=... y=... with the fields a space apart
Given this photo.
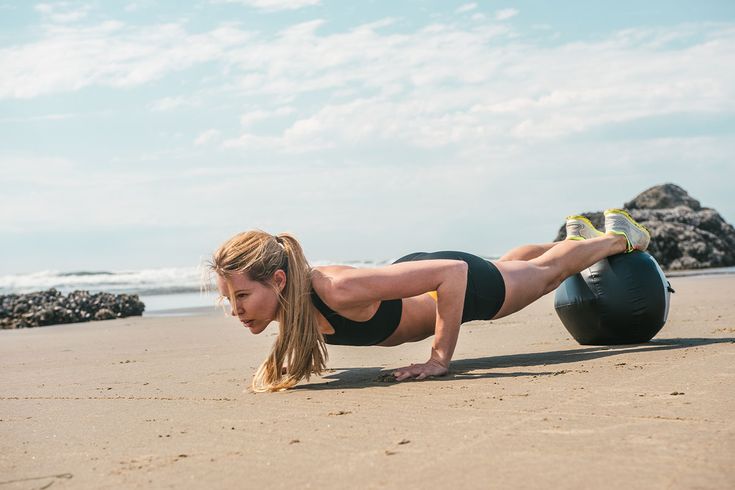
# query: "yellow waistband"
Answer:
x=433 y=295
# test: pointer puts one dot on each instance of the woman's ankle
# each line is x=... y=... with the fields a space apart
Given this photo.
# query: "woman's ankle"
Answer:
x=618 y=243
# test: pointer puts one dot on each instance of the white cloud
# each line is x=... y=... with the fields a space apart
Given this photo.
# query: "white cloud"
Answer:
x=207 y=137
x=62 y=12
x=495 y=92
x=437 y=86
x=250 y=118
x=505 y=14
x=44 y=117
x=250 y=141
x=43 y=8
x=466 y=7
x=108 y=54
x=171 y=103
x=471 y=88
x=41 y=170
x=274 y=5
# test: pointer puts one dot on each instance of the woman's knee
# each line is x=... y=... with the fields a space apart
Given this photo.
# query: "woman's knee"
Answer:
x=551 y=273
x=554 y=282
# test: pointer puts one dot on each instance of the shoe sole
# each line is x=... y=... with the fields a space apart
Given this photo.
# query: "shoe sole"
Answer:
x=586 y=221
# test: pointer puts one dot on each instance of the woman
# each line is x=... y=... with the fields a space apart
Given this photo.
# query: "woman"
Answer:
x=267 y=278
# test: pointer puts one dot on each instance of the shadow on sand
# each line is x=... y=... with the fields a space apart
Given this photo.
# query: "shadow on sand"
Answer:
x=481 y=367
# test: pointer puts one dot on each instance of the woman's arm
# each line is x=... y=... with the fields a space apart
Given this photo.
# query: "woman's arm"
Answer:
x=448 y=277
x=450 y=303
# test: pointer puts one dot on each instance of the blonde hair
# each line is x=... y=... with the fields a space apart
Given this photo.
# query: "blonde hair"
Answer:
x=299 y=344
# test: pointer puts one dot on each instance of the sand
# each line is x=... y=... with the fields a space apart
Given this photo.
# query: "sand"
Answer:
x=159 y=402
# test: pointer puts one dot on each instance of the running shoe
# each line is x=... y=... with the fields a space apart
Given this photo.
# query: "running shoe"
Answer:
x=580 y=228
x=619 y=222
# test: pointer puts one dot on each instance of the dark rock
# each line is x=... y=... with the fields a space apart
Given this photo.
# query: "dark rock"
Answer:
x=684 y=235
x=663 y=197
x=51 y=307
x=104 y=314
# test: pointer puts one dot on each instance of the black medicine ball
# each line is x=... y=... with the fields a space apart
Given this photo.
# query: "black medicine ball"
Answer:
x=623 y=299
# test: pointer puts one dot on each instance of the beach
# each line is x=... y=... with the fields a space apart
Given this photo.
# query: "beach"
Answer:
x=161 y=402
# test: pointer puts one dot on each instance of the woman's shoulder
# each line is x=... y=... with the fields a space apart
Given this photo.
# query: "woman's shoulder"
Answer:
x=331 y=269
x=323 y=278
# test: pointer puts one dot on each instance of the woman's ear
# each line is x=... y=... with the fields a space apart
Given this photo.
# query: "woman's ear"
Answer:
x=279 y=278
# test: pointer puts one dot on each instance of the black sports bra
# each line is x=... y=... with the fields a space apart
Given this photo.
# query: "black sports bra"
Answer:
x=348 y=332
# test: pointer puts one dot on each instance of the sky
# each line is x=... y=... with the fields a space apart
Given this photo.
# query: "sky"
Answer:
x=139 y=134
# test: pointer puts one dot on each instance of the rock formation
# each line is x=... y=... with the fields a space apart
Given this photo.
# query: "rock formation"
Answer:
x=684 y=235
x=51 y=307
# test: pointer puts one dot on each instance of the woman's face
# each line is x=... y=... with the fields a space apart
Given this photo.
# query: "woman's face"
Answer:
x=256 y=304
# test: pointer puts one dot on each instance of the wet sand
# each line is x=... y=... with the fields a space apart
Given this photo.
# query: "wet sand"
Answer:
x=159 y=402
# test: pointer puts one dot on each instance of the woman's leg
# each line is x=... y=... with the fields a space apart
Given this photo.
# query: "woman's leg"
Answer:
x=527 y=252
x=528 y=280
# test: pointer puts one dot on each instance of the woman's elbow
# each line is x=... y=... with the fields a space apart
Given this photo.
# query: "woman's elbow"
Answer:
x=339 y=293
x=462 y=268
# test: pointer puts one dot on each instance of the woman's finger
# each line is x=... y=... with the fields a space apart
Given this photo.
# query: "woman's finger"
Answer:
x=417 y=371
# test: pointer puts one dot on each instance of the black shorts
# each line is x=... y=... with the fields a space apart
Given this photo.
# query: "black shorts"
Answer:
x=485 y=285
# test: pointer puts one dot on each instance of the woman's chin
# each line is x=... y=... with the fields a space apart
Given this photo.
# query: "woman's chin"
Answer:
x=258 y=329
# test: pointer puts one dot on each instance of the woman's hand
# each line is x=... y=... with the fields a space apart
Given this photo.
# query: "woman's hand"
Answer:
x=421 y=371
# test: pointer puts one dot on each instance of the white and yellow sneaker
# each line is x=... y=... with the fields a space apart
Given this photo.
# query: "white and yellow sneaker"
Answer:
x=580 y=228
x=619 y=222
